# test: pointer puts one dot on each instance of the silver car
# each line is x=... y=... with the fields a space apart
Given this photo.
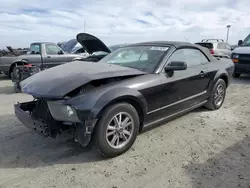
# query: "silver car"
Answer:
x=217 y=47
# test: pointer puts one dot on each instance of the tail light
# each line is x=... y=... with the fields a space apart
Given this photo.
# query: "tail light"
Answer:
x=211 y=51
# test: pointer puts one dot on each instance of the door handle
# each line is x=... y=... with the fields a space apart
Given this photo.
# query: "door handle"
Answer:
x=48 y=56
x=202 y=74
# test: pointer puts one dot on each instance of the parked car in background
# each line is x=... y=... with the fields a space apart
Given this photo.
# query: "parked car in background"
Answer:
x=85 y=47
x=45 y=54
x=73 y=46
x=76 y=47
x=94 y=47
x=241 y=57
x=217 y=47
x=127 y=91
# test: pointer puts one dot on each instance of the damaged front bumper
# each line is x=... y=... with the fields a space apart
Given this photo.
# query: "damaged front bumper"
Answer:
x=22 y=114
x=28 y=114
x=40 y=117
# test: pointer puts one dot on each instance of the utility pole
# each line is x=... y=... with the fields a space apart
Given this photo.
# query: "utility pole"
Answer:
x=228 y=27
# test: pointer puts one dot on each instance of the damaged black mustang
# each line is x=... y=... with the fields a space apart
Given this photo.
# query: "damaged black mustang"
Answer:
x=111 y=101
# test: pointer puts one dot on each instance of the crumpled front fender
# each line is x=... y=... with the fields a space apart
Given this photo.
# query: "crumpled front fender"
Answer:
x=90 y=105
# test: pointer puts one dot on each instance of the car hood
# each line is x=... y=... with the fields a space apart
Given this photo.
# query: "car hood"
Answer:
x=69 y=45
x=242 y=50
x=58 y=81
x=91 y=43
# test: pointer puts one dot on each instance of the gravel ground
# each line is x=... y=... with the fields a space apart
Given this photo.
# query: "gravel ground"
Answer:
x=200 y=149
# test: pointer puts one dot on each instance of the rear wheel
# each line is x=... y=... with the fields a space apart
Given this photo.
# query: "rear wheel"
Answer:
x=117 y=129
x=17 y=87
x=217 y=97
x=15 y=74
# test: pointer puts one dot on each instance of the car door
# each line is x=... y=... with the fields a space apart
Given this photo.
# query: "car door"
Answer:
x=54 y=56
x=34 y=54
x=184 y=88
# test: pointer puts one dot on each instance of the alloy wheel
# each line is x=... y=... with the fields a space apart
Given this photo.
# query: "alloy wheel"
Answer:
x=119 y=130
x=219 y=95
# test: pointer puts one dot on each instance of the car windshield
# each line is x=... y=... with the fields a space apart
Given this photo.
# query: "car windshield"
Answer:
x=246 y=42
x=145 y=58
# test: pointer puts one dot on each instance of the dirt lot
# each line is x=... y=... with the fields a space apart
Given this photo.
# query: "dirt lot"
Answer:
x=200 y=149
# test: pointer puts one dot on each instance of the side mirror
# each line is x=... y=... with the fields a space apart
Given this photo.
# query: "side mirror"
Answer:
x=176 y=65
x=60 y=52
x=240 y=42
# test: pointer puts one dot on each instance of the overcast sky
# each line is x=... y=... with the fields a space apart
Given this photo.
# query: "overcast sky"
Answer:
x=120 y=21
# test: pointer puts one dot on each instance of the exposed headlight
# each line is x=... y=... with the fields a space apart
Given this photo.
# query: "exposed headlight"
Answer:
x=61 y=112
x=70 y=111
x=235 y=56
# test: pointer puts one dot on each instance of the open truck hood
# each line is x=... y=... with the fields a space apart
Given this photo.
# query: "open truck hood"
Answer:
x=69 y=45
x=91 y=43
x=58 y=81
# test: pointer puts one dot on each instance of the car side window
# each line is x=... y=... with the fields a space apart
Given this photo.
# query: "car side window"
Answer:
x=52 y=49
x=192 y=57
x=35 y=49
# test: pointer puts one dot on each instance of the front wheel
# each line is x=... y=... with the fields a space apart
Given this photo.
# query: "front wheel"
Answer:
x=217 y=97
x=117 y=129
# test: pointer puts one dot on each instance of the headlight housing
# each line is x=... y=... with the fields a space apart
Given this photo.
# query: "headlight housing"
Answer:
x=61 y=112
x=235 y=56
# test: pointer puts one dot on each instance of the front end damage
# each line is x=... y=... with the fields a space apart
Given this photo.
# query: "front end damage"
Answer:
x=51 y=118
x=66 y=101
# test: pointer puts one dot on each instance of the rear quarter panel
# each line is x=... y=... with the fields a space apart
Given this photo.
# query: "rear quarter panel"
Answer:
x=222 y=68
x=6 y=61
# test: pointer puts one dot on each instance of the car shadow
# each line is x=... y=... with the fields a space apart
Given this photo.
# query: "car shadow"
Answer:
x=243 y=79
x=21 y=147
x=229 y=168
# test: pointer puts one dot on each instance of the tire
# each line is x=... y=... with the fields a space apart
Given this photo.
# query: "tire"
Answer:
x=103 y=143
x=10 y=73
x=17 y=88
x=212 y=103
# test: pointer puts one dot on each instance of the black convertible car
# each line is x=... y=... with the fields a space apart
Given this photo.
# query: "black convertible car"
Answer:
x=108 y=103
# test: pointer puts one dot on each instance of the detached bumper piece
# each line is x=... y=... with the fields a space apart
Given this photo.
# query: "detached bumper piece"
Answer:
x=36 y=116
